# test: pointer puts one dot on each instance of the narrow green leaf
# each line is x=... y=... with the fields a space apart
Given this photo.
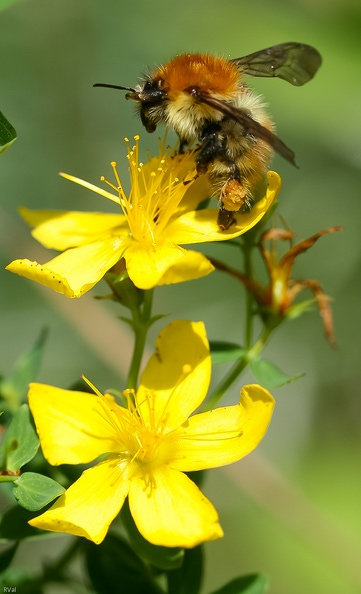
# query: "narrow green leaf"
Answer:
x=247 y=584
x=160 y=557
x=20 y=442
x=113 y=562
x=7 y=131
x=188 y=578
x=33 y=491
x=300 y=308
x=269 y=375
x=225 y=352
x=26 y=368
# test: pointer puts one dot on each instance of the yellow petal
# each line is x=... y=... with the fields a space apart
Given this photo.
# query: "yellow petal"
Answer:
x=197 y=191
x=75 y=271
x=42 y=275
x=201 y=226
x=191 y=266
x=170 y=510
x=163 y=263
x=178 y=375
x=60 y=230
x=72 y=426
x=88 y=507
x=223 y=435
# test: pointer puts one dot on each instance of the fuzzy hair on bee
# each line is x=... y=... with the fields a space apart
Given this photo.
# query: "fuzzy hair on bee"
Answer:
x=205 y=99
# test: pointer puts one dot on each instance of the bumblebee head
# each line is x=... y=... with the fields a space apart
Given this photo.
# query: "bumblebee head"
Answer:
x=150 y=97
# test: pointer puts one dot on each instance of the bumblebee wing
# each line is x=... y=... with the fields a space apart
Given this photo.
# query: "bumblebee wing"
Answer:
x=249 y=124
x=296 y=63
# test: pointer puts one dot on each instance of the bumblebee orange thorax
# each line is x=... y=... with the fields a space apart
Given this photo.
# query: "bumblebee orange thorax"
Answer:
x=215 y=75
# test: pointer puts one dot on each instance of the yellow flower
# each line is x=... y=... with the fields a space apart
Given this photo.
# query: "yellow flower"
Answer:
x=147 y=447
x=158 y=217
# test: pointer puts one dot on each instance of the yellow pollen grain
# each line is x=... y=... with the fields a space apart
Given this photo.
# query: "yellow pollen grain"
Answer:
x=186 y=369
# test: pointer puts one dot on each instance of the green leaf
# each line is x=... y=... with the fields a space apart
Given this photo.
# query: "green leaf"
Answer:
x=7 y=132
x=26 y=368
x=188 y=578
x=300 y=308
x=7 y=556
x=21 y=576
x=114 y=562
x=161 y=557
x=14 y=525
x=247 y=584
x=225 y=352
x=269 y=375
x=33 y=491
x=20 y=442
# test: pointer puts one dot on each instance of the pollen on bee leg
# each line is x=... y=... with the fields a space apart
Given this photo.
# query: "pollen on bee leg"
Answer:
x=233 y=195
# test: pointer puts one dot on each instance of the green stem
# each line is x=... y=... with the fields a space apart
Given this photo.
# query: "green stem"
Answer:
x=248 y=272
x=240 y=365
x=140 y=324
x=238 y=368
x=259 y=345
x=226 y=382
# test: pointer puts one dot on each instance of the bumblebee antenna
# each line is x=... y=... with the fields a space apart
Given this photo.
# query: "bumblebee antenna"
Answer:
x=114 y=87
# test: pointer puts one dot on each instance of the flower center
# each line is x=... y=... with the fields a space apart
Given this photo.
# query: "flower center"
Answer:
x=145 y=441
x=156 y=190
x=144 y=426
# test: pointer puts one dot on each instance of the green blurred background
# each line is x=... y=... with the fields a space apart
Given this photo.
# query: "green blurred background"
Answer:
x=292 y=509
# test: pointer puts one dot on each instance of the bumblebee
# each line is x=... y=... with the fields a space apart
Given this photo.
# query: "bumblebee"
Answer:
x=204 y=98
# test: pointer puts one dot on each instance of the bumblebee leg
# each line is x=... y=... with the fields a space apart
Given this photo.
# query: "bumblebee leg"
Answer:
x=182 y=145
x=233 y=199
x=211 y=147
x=225 y=218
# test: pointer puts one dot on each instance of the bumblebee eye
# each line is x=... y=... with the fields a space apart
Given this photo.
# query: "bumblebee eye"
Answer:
x=149 y=86
x=152 y=93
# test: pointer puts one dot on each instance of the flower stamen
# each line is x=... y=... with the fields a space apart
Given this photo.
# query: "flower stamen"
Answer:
x=91 y=386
